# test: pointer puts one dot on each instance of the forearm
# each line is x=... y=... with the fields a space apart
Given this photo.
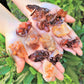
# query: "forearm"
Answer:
x=8 y=22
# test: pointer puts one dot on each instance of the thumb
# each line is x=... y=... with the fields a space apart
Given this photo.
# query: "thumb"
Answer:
x=20 y=63
x=69 y=19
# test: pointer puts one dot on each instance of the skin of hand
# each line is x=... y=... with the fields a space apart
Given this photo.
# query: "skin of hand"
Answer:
x=21 y=4
x=67 y=19
x=8 y=31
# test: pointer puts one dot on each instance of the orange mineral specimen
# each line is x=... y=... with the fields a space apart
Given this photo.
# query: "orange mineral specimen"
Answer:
x=61 y=13
x=60 y=30
x=49 y=70
x=32 y=40
x=48 y=42
x=18 y=49
x=23 y=29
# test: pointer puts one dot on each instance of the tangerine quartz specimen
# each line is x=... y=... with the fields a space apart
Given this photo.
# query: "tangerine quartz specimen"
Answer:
x=23 y=28
x=48 y=42
x=18 y=49
x=32 y=39
x=60 y=30
x=49 y=70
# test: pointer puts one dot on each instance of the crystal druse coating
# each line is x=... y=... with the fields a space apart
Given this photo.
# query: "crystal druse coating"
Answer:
x=18 y=49
x=23 y=28
x=44 y=18
x=40 y=55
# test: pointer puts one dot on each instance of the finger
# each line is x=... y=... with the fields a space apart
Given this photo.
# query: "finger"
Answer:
x=39 y=67
x=36 y=65
x=78 y=51
x=53 y=79
x=51 y=71
x=20 y=63
x=73 y=35
x=80 y=45
x=60 y=67
x=66 y=48
x=59 y=75
x=69 y=19
x=59 y=40
x=69 y=50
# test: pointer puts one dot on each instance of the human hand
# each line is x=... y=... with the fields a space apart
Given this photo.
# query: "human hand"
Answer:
x=10 y=34
x=8 y=25
x=31 y=62
x=70 y=35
